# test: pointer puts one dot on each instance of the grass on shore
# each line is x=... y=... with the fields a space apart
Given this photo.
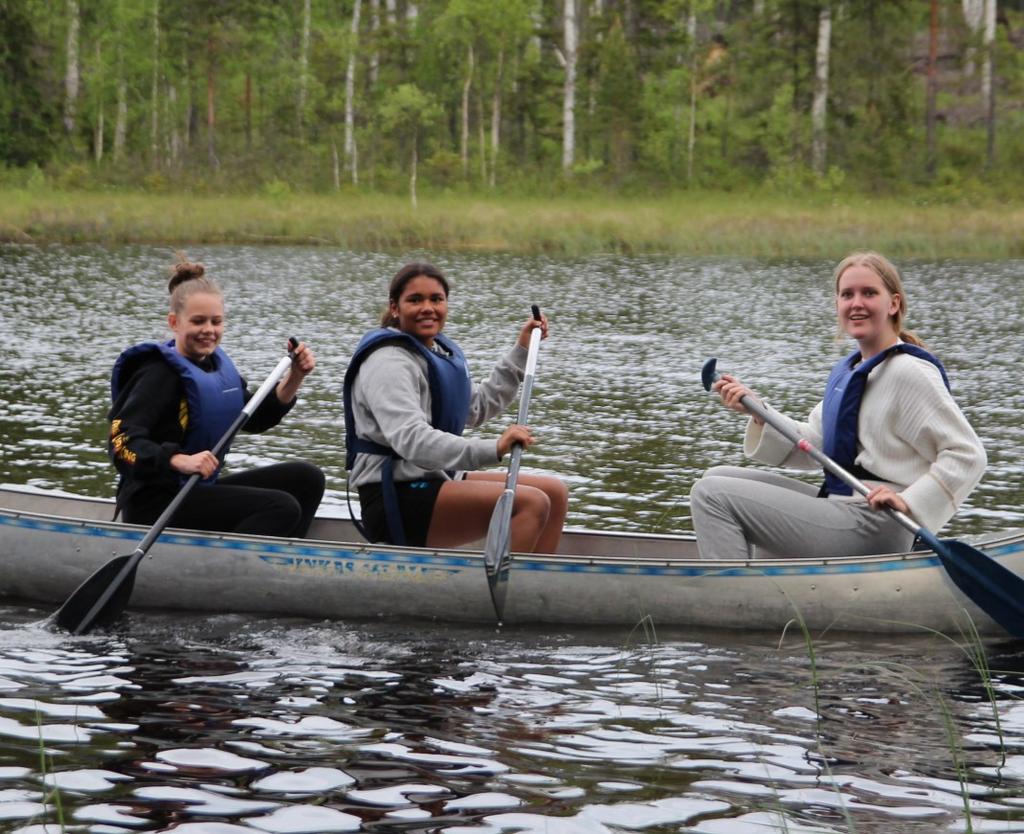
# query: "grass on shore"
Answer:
x=684 y=224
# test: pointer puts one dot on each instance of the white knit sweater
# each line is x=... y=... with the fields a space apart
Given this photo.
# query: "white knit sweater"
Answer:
x=911 y=433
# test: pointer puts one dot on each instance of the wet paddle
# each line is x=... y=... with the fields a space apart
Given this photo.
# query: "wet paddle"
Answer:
x=997 y=591
x=102 y=597
x=497 y=546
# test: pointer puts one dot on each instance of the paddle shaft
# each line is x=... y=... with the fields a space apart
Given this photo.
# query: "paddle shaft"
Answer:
x=805 y=445
x=524 y=408
x=165 y=517
x=499 y=533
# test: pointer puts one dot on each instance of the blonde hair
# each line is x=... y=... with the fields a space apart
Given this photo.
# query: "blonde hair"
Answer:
x=890 y=276
x=188 y=278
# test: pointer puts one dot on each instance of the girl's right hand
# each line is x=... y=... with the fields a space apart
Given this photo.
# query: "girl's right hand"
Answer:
x=201 y=463
x=732 y=392
x=512 y=435
x=531 y=325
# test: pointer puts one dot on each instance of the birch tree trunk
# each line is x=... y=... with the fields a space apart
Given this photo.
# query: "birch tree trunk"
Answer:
x=97 y=143
x=71 y=73
x=988 y=89
x=154 y=96
x=412 y=167
x=481 y=133
x=211 y=110
x=374 y=30
x=337 y=165
x=121 y=119
x=691 y=133
x=933 y=86
x=464 y=135
x=304 y=69
x=247 y=107
x=569 y=94
x=392 y=12
x=175 y=137
x=496 y=118
x=97 y=135
x=350 y=95
x=819 y=106
x=974 y=14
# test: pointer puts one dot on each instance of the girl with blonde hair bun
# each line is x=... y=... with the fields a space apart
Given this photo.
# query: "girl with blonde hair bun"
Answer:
x=172 y=402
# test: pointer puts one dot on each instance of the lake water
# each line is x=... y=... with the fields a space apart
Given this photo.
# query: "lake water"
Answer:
x=234 y=724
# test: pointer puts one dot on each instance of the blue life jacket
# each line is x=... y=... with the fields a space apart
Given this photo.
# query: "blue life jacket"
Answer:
x=841 y=409
x=450 y=392
x=214 y=398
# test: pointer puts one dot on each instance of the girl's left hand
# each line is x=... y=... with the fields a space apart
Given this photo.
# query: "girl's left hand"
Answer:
x=303 y=359
x=530 y=326
x=882 y=496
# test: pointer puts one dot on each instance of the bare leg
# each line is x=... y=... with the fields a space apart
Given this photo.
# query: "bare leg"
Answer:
x=558 y=495
x=464 y=508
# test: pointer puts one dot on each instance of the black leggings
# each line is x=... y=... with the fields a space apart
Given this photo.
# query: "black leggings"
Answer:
x=276 y=500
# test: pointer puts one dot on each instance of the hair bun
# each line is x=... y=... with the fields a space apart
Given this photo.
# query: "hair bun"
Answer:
x=184 y=271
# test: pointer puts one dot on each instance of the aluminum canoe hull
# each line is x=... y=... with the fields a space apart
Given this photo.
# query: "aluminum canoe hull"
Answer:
x=51 y=542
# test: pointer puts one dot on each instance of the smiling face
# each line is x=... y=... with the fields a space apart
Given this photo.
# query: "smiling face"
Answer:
x=199 y=326
x=866 y=309
x=421 y=309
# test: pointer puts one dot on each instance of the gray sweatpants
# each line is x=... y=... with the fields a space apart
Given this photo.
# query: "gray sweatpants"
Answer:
x=736 y=510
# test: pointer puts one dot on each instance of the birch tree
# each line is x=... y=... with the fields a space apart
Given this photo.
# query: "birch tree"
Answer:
x=406 y=112
x=988 y=90
x=569 y=55
x=974 y=14
x=691 y=131
x=819 y=105
x=933 y=86
x=154 y=104
x=307 y=14
x=71 y=69
x=350 y=93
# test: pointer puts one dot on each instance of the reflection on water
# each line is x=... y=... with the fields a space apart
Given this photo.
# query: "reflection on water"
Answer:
x=288 y=726
x=618 y=405
x=233 y=724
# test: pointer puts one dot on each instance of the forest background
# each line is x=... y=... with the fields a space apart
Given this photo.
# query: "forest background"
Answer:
x=797 y=127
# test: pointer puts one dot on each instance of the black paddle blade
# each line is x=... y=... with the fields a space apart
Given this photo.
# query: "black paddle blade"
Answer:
x=996 y=590
x=496 y=551
x=76 y=614
x=707 y=373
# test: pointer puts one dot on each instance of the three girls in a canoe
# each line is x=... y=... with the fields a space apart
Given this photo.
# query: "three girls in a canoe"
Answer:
x=407 y=397
x=173 y=401
x=887 y=416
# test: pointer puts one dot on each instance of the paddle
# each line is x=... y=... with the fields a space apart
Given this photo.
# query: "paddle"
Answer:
x=996 y=590
x=497 y=546
x=103 y=596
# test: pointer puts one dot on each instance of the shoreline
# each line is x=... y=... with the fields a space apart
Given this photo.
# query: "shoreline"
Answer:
x=695 y=224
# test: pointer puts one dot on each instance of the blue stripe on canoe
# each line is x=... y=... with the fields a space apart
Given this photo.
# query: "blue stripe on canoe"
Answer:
x=293 y=554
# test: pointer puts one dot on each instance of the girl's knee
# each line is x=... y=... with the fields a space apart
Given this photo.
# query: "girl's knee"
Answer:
x=536 y=502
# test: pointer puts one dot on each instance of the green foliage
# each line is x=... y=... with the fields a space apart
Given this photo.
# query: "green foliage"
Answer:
x=211 y=96
x=27 y=115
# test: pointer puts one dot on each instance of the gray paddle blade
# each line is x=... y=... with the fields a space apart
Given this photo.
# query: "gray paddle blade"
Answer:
x=496 y=551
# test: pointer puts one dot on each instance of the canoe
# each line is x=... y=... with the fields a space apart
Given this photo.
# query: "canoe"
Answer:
x=51 y=541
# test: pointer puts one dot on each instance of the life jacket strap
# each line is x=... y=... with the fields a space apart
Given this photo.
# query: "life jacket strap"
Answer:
x=857 y=471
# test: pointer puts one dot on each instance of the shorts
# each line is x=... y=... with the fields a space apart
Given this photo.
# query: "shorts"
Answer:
x=416 y=501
